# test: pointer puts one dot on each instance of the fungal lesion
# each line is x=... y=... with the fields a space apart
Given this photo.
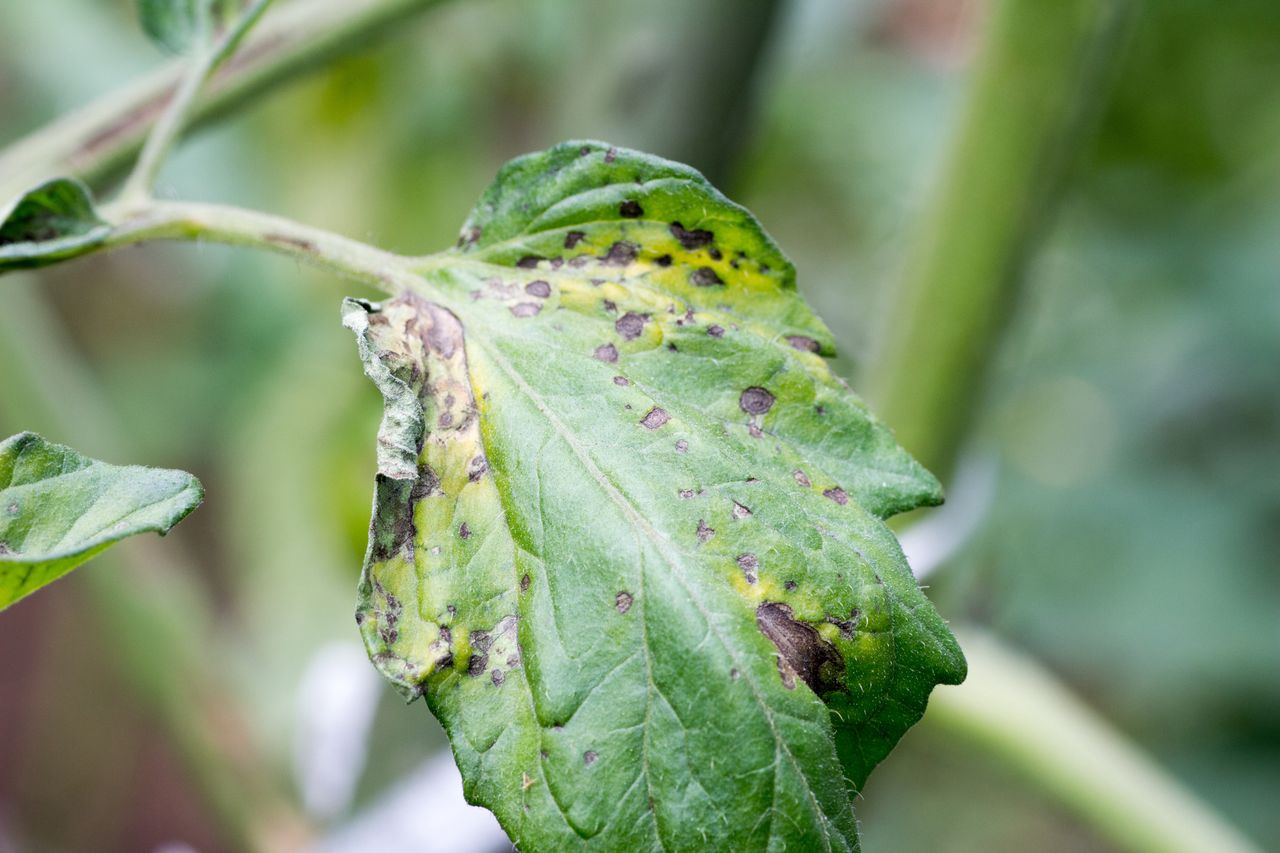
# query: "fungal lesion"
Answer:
x=802 y=651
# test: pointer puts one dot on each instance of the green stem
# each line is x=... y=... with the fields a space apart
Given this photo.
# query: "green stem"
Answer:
x=169 y=126
x=1021 y=713
x=97 y=140
x=1036 y=85
x=351 y=259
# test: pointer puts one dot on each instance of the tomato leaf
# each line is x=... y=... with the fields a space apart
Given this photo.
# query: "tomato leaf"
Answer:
x=49 y=223
x=628 y=534
x=58 y=509
x=177 y=25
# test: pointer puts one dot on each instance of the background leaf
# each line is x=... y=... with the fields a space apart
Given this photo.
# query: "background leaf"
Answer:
x=628 y=536
x=58 y=509
x=49 y=223
x=176 y=25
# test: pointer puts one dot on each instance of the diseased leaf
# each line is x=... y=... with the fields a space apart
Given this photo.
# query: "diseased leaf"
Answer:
x=58 y=509
x=628 y=532
x=49 y=223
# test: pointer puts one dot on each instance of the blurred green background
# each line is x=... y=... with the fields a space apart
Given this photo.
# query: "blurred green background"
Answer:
x=1132 y=420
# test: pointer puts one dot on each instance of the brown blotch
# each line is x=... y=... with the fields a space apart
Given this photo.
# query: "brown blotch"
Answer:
x=609 y=305
x=589 y=757
x=789 y=586
x=755 y=400
x=801 y=477
x=623 y=601
x=539 y=288
x=848 y=627
x=656 y=417
x=836 y=494
x=524 y=583
x=620 y=254
x=801 y=650
x=529 y=262
x=695 y=239
x=621 y=380
x=740 y=512
x=611 y=155
x=630 y=209
x=802 y=343
x=606 y=352
x=525 y=309
x=682 y=446
x=705 y=532
x=750 y=566
x=715 y=331
x=663 y=260
x=464 y=531
x=477 y=467
x=498 y=677
x=686 y=493
x=630 y=325
x=478 y=664
x=573 y=238
x=705 y=277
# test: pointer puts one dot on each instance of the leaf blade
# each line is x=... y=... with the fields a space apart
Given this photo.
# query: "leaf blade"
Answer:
x=59 y=509
x=51 y=222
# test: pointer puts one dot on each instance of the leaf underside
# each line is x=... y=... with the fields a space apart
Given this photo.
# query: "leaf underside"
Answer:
x=59 y=508
x=49 y=223
x=628 y=534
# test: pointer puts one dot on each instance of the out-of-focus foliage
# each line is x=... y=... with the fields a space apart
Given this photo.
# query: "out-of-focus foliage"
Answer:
x=1132 y=542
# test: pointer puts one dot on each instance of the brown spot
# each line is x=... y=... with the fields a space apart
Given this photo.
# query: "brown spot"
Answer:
x=611 y=155
x=630 y=325
x=750 y=566
x=621 y=380
x=704 y=532
x=498 y=677
x=529 y=262
x=464 y=531
x=682 y=446
x=609 y=305
x=705 y=277
x=734 y=674
x=801 y=477
x=836 y=494
x=524 y=583
x=478 y=664
x=573 y=238
x=525 y=309
x=621 y=253
x=623 y=601
x=801 y=650
x=655 y=418
x=848 y=627
x=476 y=468
x=740 y=512
x=714 y=254
x=803 y=343
x=691 y=240
x=686 y=493
x=755 y=400
x=589 y=757
x=630 y=209
x=606 y=352
x=539 y=288
x=663 y=260
x=789 y=586
x=715 y=331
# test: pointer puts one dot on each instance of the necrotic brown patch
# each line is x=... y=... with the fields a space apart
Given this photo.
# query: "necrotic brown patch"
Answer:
x=623 y=601
x=539 y=288
x=606 y=352
x=525 y=309
x=801 y=650
x=630 y=325
x=691 y=239
x=630 y=209
x=655 y=418
x=705 y=277
x=755 y=401
x=836 y=494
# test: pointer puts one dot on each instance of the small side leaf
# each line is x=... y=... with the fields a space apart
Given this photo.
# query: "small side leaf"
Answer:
x=175 y=25
x=49 y=223
x=59 y=508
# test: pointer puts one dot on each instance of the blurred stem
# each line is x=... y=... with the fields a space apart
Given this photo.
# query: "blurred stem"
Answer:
x=1021 y=713
x=152 y=612
x=176 y=112
x=1037 y=83
x=103 y=136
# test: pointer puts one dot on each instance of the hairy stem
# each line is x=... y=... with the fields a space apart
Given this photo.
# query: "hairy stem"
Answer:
x=175 y=115
x=102 y=137
x=234 y=226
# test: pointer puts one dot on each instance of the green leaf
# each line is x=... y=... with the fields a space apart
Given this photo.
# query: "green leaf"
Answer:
x=628 y=533
x=175 y=25
x=58 y=509
x=49 y=223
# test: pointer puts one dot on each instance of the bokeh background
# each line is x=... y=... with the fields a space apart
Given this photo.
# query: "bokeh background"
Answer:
x=209 y=687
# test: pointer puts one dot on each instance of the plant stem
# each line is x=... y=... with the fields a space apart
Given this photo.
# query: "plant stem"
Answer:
x=1036 y=85
x=1021 y=713
x=158 y=220
x=103 y=136
x=175 y=115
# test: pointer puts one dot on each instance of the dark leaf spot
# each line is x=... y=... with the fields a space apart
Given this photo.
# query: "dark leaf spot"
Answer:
x=621 y=253
x=715 y=331
x=589 y=757
x=464 y=531
x=836 y=494
x=705 y=277
x=686 y=493
x=498 y=677
x=611 y=155
x=623 y=601
x=755 y=401
x=477 y=467
x=573 y=238
x=663 y=260
x=539 y=288
x=525 y=309
x=801 y=650
x=621 y=380
x=802 y=343
x=630 y=209
x=691 y=240
x=789 y=586
x=750 y=566
x=524 y=583
x=682 y=446
x=610 y=306
x=606 y=352
x=740 y=512
x=704 y=532
x=801 y=477
x=529 y=262
x=714 y=253
x=478 y=664
x=630 y=325
x=655 y=418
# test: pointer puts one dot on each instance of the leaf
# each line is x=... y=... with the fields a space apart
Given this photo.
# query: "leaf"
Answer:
x=175 y=25
x=49 y=223
x=59 y=509
x=627 y=536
